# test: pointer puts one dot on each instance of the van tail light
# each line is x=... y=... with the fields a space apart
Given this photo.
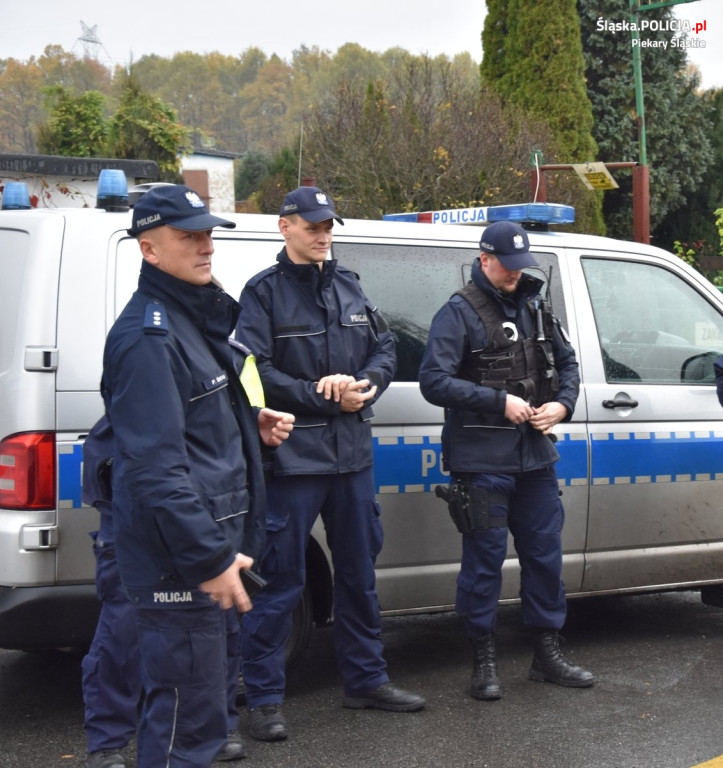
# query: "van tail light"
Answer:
x=28 y=471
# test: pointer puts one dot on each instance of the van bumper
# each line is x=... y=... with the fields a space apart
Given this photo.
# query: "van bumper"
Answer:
x=44 y=618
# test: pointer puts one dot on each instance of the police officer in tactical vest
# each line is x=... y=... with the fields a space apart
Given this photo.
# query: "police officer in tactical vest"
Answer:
x=499 y=363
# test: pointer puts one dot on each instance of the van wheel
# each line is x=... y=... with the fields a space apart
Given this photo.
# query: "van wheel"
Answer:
x=301 y=628
x=296 y=645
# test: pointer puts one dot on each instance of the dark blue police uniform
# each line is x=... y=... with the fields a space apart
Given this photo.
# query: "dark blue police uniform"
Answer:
x=111 y=669
x=513 y=462
x=188 y=494
x=304 y=323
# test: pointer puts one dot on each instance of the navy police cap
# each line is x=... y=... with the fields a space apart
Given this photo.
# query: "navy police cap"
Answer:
x=173 y=205
x=509 y=243
x=311 y=204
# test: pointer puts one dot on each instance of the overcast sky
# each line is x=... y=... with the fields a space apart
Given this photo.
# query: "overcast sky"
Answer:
x=133 y=28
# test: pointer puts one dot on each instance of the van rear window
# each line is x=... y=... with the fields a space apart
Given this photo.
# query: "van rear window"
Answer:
x=13 y=264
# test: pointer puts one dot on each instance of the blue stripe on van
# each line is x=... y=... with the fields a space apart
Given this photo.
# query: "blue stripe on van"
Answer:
x=413 y=464
x=70 y=474
x=407 y=464
x=656 y=457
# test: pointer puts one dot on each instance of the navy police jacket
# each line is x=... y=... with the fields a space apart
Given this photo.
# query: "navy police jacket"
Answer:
x=187 y=481
x=303 y=323
x=476 y=436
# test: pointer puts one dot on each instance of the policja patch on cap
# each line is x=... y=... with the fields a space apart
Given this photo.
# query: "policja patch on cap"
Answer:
x=311 y=204
x=509 y=243
x=173 y=205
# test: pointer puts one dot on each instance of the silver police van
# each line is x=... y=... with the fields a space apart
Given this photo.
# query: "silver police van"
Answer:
x=641 y=470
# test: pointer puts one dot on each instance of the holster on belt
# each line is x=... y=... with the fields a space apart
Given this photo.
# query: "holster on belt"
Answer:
x=469 y=506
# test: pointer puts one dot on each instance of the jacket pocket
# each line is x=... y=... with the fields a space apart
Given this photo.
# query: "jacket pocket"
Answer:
x=226 y=505
x=475 y=419
x=310 y=422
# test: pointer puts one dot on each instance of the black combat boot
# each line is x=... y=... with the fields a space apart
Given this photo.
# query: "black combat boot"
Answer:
x=549 y=664
x=485 y=684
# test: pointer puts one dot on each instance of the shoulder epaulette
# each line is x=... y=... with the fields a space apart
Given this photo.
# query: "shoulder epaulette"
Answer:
x=156 y=319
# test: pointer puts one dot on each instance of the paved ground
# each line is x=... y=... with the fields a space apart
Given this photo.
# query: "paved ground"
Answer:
x=657 y=702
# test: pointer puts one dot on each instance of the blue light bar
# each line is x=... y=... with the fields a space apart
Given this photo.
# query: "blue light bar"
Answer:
x=413 y=217
x=112 y=190
x=538 y=213
x=16 y=196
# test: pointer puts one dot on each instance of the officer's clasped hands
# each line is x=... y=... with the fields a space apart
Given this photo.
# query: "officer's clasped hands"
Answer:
x=547 y=415
x=346 y=390
x=518 y=410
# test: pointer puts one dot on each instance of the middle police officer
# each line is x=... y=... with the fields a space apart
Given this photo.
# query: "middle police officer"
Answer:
x=502 y=368
x=326 y=354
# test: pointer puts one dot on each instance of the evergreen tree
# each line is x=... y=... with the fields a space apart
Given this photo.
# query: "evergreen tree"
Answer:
x=76 y=126
x=252 y=171
x=532 y=57
x=678 y=125
x=145 y=127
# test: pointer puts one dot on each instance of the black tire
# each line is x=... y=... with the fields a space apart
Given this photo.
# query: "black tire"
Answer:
x=301 y=628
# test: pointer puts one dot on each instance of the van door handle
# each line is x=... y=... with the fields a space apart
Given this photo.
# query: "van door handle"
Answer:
x=622 y=400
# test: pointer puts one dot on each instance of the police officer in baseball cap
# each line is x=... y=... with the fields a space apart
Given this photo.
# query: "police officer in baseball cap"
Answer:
x=188 y=493
x=504 y=371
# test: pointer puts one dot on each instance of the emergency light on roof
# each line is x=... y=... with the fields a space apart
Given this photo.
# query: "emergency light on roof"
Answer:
x=112 y=190
x=536 y=213
x=526 y=213
x=16 y=196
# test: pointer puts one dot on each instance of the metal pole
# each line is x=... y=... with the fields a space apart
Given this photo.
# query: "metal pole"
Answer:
x=301 y=151
x=641 y=174
x=638 y=81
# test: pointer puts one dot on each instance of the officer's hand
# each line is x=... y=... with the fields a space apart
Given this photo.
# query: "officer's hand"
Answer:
x=517 y=410
x=226 y=589
x=275 y=426
x=353 y=398
x=547 y=415
x=334 y=385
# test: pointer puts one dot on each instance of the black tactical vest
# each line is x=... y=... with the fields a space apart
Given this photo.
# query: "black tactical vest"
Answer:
x=522 y=367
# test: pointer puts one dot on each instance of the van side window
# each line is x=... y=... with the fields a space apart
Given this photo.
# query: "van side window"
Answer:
x=653 y=326
x=409 y=283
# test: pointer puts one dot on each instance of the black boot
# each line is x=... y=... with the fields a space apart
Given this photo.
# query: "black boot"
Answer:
x=549 y=664
x=485 y=684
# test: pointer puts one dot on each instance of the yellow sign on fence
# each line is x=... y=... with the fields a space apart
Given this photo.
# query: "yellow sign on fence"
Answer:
x=595 y=176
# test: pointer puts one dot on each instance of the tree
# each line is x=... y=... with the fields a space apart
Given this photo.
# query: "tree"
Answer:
x=424 y=139
x=532 y=57
x=76 y=126
x=677 y=125
x=282 y=176
x=192 y=83
x=265 y=108
x=252 y=171
x=694 y=223
x=21 y=105
x=145 y=127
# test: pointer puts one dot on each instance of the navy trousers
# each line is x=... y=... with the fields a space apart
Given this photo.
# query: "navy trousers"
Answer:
x=535 y=518
x=110 y=670
x=185 y=671
x=353 y=527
